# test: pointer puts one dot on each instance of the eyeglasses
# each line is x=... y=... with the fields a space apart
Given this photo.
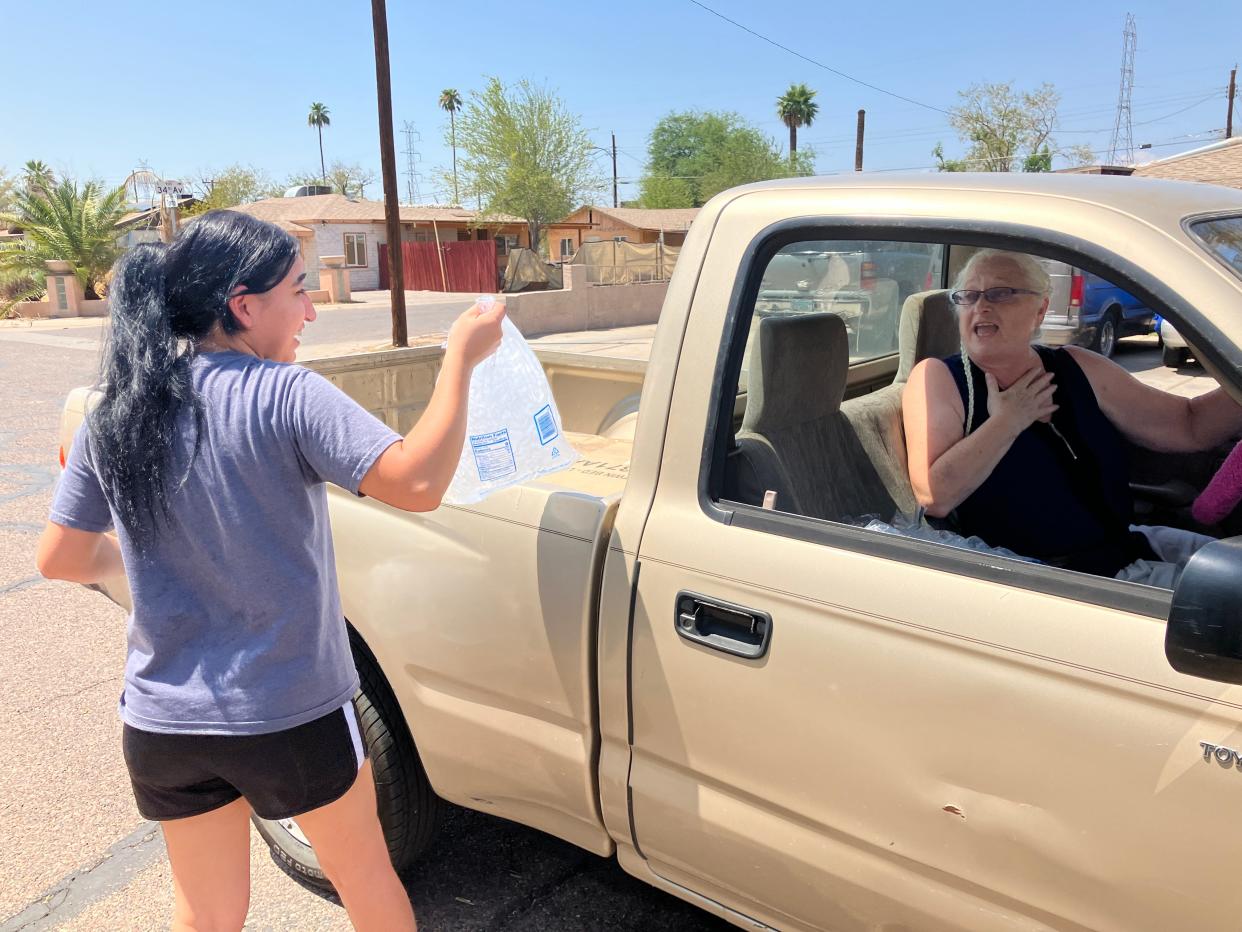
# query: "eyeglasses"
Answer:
x=998 y=295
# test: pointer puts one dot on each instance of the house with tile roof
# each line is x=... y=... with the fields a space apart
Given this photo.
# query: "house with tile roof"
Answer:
x=335 y=225
x=591 y=224
x=1218 y=163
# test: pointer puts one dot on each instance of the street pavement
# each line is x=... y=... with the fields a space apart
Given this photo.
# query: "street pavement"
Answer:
x=76 y=853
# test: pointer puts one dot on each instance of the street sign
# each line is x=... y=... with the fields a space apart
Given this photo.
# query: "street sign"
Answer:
x=175 y=188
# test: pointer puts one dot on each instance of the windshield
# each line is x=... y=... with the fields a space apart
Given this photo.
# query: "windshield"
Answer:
x=1222 y=236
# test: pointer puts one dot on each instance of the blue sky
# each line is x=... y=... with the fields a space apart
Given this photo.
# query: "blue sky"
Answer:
x=190 y=87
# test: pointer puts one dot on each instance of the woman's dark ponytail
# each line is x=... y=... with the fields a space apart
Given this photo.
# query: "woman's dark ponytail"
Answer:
x=164 y=300
x=146 y=382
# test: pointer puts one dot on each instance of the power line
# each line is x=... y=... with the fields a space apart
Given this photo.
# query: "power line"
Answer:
x=1194 y=100
x=818 y=64
x=1203 y=100
x=912 y=168
x=929 y=131
x=1178 y=141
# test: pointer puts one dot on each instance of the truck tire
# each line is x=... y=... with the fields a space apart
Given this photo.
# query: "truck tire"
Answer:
x=1105 y=342
x=1173 y=356
x=408 y=807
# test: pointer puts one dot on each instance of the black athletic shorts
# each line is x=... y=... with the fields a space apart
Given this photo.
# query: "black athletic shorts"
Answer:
x=281 y=774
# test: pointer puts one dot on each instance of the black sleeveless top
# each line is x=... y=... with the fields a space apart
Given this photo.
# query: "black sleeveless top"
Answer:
x=1061 y=492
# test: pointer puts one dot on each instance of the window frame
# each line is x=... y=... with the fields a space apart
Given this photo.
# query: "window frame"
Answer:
x=362 y=238
x=567 y=252
x=1081 y=587
x=1189 y=224
x=503 y=244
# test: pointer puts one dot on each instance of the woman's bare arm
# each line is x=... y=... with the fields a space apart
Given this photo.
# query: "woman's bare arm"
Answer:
x=1156 y=419
x=78 y=556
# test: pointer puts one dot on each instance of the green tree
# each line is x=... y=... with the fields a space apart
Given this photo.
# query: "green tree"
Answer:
x=524 y=154
x=796 y=107
x=65 y=222
x=450 y=100
x=948 y=165
x=1005 y=130
x=319 y=118
x=658 y=191
x=350 y=180
x=692 y=156
x=236 y=184
x=1079 y=155
x=1040 y=161
x=8 y=192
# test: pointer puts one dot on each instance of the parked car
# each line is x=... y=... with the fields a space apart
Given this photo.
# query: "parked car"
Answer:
x=1086 y=310
x=1174 y=351
x=693 y=652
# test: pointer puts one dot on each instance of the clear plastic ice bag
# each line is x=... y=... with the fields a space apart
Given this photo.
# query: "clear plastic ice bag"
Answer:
x=513 y=430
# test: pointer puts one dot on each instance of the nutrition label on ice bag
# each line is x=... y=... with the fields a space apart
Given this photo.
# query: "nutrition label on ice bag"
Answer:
x=513 y=430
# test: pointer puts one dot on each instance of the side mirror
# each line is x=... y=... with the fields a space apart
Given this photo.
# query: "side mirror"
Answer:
x=1204 y=634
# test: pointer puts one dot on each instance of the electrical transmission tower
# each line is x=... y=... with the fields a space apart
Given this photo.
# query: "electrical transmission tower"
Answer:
x=412 y=158
x=1121 y=150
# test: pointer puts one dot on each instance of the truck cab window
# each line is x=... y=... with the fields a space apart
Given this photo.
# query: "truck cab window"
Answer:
x=819 y=439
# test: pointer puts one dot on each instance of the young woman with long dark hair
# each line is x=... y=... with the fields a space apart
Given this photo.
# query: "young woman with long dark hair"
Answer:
x=209 y=455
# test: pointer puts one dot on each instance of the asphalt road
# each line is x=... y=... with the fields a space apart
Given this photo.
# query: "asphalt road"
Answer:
x=76 y=854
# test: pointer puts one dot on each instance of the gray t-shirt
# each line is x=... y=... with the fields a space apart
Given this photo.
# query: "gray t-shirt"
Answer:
x=237 y=624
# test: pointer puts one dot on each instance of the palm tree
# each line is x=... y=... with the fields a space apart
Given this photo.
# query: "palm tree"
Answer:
x=39 y=176
x=60 y=222
x=796 y=107
x=318 y=118
x=450 y=100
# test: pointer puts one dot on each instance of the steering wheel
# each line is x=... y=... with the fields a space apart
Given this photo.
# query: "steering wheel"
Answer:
x=1222 y=494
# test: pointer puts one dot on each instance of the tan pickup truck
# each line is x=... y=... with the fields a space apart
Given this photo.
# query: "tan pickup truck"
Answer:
x=753 y=700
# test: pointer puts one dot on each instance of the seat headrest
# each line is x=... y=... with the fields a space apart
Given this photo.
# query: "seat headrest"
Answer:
x=797 y=371
x=928 y=328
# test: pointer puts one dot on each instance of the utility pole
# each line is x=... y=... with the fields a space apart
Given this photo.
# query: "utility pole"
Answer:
x=614 y=171
x=388 y=167
x=858 y=141
x=1233 y=86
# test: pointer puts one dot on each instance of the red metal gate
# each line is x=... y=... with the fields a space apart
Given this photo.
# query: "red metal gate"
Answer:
x=467 y=266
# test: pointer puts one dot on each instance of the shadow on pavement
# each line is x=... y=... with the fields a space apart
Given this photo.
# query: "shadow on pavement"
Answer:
x=483 y=873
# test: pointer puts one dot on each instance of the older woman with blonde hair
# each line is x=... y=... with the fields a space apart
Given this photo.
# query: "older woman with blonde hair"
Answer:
x=1025 y=446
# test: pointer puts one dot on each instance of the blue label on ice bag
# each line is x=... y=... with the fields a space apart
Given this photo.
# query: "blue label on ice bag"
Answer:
x=493 y=455
x=545 y=424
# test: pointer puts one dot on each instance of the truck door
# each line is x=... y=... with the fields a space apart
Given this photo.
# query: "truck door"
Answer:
x=839 y=728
